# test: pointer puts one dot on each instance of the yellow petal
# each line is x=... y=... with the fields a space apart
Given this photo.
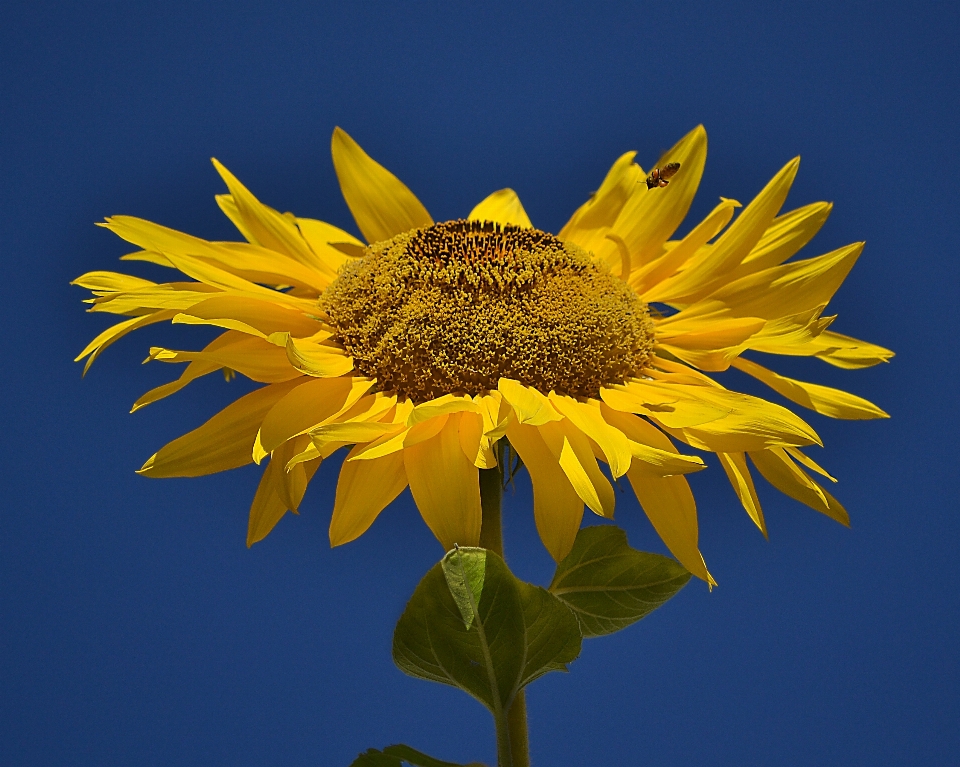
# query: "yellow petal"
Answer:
x=202 y=260
x=502 y=207
x=737 y=423
x=647 y=277
x=789 y=289
x=267 y=508
x=557 y=508
x=252 y=262
x=671 y=405
x=214 y=277
x=229 y=208
x=157 y=238
x=393 y=443
x=587 y=418
x=319 y=236
x=258 y=264
x=193 y=371
x=572 y=450
x=364 y=489
x=476 y=446
x=224 y=442
x=592 y=221
x=651 y=216
x=378 y=406
x=293 y=480
x=781 y=472
x=666 y=371
x=408 y=437
x=713 y=360
x=268 y=227
x=307 y=407
x=642 y=438
x=787 y=234
x=351 y=432
x=403 y=409
x=448 y=403
x=471 y=439
x=111 y=282
x=530 y=406
x=669 y=505
x=732 y=247
x=187 y=318
x=751 y=424
x=381 y=204
x=308 y=453
x=735 y=465
x=317 y=360
x=171 y=295
x=496 y=413
x=713 y=331
x=251 y=315
x=824 y=399
x=276 y=493
x=787 y=336
x=253 y=357
x=480 y=431
x=798 y=475
x=798 y=455
x=445 y=486
x=792 y=334
x=116 y=332
x=575 y=469
x=710 y=342
x=846 y=352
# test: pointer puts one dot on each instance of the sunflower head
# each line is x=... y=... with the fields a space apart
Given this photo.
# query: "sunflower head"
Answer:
x=427 y=345
x=456 y=306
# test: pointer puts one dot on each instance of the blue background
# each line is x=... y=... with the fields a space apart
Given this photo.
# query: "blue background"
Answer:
x=137 y=629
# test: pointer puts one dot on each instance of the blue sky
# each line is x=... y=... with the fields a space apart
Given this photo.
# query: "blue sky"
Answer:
x=137 y=628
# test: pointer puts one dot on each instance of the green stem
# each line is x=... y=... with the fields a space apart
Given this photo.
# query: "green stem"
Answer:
x=491 y=495
x=513 y=746
x=517 y=727
x=504 y=754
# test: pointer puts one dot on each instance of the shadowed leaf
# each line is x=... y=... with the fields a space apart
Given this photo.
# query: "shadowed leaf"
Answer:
x=609 y=585
x=517 y=632
x=398 y=755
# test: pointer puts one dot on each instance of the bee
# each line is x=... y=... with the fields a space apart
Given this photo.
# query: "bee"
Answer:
x=660 y=176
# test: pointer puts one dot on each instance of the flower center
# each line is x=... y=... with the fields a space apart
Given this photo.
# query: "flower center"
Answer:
x=454 y=307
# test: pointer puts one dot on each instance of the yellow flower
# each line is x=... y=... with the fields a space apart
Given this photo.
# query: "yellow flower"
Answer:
x=427 y=346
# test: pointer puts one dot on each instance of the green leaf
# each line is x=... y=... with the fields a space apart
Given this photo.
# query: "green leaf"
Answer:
x=608 y=585
x=419 y=759
x=464 y=570
x=509 y=633
x=373 y=758
x=396 y=756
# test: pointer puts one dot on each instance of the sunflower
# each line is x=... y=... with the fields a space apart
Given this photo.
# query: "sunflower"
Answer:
x=432 y=350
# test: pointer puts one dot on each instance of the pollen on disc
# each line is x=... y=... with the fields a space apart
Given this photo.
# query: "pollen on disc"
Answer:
x=453 y=307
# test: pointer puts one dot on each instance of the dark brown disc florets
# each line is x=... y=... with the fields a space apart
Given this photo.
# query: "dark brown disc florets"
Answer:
x=453 y=307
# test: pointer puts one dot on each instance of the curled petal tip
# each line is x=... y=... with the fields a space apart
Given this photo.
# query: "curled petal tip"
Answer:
x=148 y=465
